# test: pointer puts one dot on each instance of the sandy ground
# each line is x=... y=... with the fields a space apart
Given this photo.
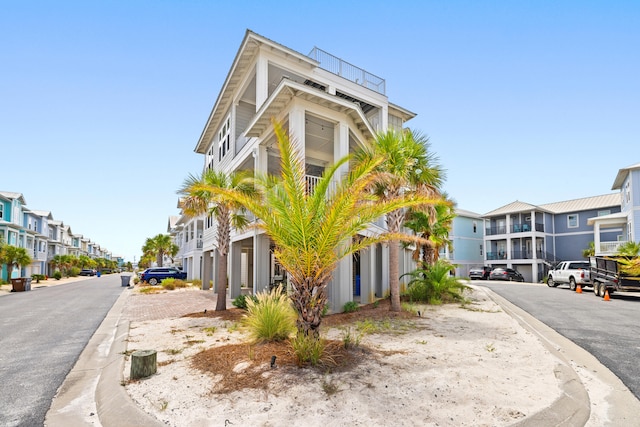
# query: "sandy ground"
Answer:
x=453 y=366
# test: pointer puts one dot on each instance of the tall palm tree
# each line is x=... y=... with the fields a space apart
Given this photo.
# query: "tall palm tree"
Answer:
x=14 y=257
x=408 y=168
x=159 y=246
x=313 y=230
x=200 y=197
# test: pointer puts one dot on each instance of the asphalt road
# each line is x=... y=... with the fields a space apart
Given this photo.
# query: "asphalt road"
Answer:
x=606 y=329
x=42 y=333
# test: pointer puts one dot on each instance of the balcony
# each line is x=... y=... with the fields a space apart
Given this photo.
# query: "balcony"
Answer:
x=609 y=248
x=348 y=71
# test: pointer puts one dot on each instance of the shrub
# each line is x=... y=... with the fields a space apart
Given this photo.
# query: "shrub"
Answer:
x=350 y=307
x=38 y=277
x=434 y=284
x=307 y=349
x=57 y=275
x=270 y=317
x=179 y=283
x=196 y=283
x=241 y=301
x=74 y=271
x=169 y=284
x=136 y=280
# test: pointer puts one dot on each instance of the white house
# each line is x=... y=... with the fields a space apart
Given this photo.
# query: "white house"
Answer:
x=329 y=108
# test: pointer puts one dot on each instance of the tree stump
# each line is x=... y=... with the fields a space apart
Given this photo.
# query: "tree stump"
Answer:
x=143 y=364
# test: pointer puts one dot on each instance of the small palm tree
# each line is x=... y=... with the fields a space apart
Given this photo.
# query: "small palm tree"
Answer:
x=590 y=251
x=433 y=225
x=14 y=257
x=200 y=197
x=313 y=230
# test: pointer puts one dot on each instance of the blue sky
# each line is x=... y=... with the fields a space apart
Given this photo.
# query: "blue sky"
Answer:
x=102 y=103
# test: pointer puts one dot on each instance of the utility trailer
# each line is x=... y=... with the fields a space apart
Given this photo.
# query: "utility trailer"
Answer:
x=607 y=274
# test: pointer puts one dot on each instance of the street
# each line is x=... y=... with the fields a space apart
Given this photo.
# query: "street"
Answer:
x=43 y=333
x=606 y=329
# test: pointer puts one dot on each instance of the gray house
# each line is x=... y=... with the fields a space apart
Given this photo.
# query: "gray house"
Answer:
x=532 y=238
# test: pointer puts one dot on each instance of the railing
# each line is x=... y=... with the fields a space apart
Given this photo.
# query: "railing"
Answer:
x=491 y=231
x=609 y=248
x=350 y=72
x=496 y=255
x=312 y=183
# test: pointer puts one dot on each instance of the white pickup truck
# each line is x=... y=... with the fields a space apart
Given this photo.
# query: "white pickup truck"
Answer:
x=571 y=272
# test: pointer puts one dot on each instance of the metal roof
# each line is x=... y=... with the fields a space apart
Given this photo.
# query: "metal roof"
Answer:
x=575 y=205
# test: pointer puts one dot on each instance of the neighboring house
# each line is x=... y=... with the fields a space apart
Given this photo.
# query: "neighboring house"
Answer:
x=467 y=242
x=610 y=231
x=532 y=238
x=329 y=107
x=188 y=233
x=37 y=232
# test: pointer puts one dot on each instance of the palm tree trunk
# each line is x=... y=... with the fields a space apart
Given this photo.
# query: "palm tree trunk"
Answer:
x=394 y=274
x=221 y=283
x=309 y=305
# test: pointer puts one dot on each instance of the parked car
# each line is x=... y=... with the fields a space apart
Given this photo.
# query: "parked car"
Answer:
x=506 y=274
x=155 y=275
x=479 y=273
x=87 y=272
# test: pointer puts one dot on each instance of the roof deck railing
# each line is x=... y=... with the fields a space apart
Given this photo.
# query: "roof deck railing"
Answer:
x=337 y=66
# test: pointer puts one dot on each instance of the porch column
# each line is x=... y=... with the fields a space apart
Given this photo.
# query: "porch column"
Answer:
x=368 y=274
x=596 y=237
x=235 y=269
x=207 y=270
x=262 y=81
x=384 y=249
x=297 y=128
x=341 y=146
x=339 y=290
x=260 y=263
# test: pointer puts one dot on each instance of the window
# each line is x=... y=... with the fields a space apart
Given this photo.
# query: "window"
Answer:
x=604 y=212
x=481 y=250
x=1 y=210
x=572 y=221
x=475 y=227
x=224 y=139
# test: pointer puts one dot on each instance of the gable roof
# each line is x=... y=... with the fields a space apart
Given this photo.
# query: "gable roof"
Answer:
x=13 y=196
x=575 y=205
x=622 y=174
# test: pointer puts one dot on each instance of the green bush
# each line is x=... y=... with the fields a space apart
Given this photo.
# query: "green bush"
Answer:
x=241 y=301
x=74 y=271
x=307 y=349
x=434 y=285
x=197 y=283
x=38 y=277
x=271 y=317
x=350 y=307
x=57 y=275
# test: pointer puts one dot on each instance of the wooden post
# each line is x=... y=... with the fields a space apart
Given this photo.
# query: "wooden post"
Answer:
x=143 y=364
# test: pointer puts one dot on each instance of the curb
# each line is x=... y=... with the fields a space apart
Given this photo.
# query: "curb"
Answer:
x=574 y=406
x=92 y=394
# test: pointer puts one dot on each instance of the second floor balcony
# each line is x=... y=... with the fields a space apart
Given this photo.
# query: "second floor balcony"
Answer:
x=514 y=228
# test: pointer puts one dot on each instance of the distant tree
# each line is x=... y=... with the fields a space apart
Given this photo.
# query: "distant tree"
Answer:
x=14 y=257
x=590 y=251
x=159 y=246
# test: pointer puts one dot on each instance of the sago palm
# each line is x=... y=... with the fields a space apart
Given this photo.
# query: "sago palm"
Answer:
x=200 y=197
x=313 y=231
x=408 y=168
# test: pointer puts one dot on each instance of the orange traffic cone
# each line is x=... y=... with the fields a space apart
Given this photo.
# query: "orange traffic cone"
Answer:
x=606 y=295
x=579 y=289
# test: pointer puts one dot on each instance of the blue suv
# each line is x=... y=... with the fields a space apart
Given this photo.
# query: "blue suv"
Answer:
x=155 y=275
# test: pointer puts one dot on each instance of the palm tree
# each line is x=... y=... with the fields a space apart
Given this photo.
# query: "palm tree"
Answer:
x=433 y=226
x=313 y=230
x=590 y=251
x=14 y=257
x=159 y=246
x=408 y=168
x=200 y=198
x=629 y=249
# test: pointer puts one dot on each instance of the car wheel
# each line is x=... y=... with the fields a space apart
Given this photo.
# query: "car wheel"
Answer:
x=550 y=282
x=153 y=281
x=572 y=283
x=596 y=289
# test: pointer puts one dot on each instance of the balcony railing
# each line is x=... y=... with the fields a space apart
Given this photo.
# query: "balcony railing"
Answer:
x=609 y=248
x=348 y=71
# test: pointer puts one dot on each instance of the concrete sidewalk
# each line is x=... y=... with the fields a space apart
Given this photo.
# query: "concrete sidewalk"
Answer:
x=93 y=394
